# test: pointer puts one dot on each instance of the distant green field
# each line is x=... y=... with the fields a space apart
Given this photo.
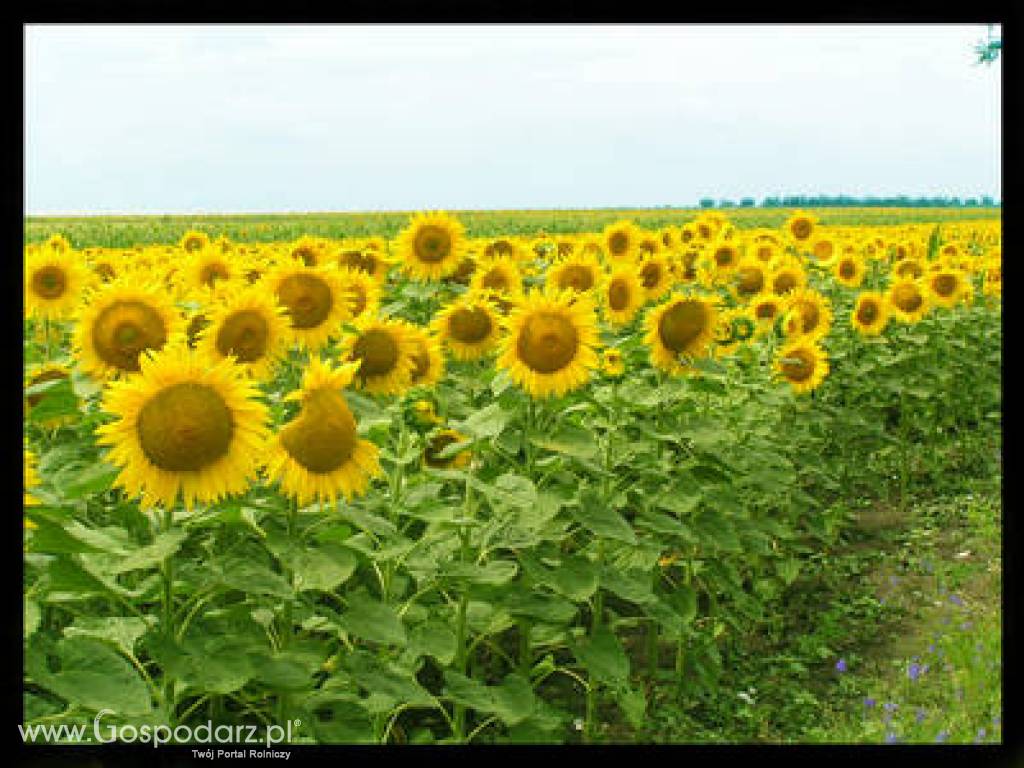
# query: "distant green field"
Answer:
x=127 y=231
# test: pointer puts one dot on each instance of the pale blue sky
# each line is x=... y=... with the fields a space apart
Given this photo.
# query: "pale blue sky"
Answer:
x=189 y=119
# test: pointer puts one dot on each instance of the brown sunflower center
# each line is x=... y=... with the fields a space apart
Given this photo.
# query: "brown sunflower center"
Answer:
x=193 y=244
x=618 y=295
x=306 y=254
x=751 y=280
x=798 y=365
x=105 y=271
x=432 y=244
x=357 y=298
x=420 y=362
x=823 y=250
x=496 y=279
x=907 y=297
x=470 y=326
x=809 y=314
x=847 y=270
x=576 y=277
x=944 y=284
x=364 y=262
x=651 y=274
x=378 y=352
x=765 y=253
x=323 y=436
x=784 y=281
x=801 y=229
x=49 y=282
x=867 y=312
x=724 y=257
x=682 y=324
x=195 y=327
x=766 y=310
x=500 y=248
x=618 y=243
x=125 y=328
x=307 y=298
x=547 y=342
x=213 y=272
x=244 y=334
x=185 y=427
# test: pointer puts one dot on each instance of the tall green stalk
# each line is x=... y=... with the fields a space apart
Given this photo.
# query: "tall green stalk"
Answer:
x=167 y=577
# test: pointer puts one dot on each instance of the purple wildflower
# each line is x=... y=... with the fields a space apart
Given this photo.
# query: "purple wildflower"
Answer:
x=890 y=706
x=920 y=714
x=841 y=665
x=914 y=671
x=981 y=735
x=869 y=702
x=956 y=601
x=941 y=737
x=891 y=738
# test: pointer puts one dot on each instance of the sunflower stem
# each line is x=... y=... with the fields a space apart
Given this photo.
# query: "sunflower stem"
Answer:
x=46 y=337
x=461 y=651
x=589 y=726
x=167 y=576
x=287 y=623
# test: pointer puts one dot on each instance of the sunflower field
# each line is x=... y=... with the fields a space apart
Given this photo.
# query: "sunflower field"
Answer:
x=409 y=484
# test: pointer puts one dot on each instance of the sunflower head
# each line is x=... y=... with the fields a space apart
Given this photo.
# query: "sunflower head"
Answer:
x=470 y=326
x=812 y=313
x=622 y=294
x=655 y=272
x=800 y=226
x=786 y=277
x=428 y=360
x=749 y=279
x=683 y=326
x=361 y=289
x=550 y=347
x=54 y=281
x=441 y=440
x=432 y=246
x=612 y=364
x=621 y=239
x=575 y=273
x=870 y=313
x=803 y=364
x=908 y=300
x=385 y=352
x=193 y=241
x=250 y=327
x=849 y=270
x=499 y=274
x=319 y=454
x=313 y=299
x=948 y=287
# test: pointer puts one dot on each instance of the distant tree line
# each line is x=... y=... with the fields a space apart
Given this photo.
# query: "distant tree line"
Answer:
x=837 y=201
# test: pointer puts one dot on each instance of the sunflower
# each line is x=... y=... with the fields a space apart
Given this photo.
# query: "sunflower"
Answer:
x=500 y=274
x=669 y=237
x=370 y=261
x=683 y=325
x=612 y=364
x=849 y=270
x=803 y=364
x=576 y=273
x=107 y=265
x=319 y=455
x=307 y=250
x=210 y=270
x=502 y=248
x=428 y=360
x=186 y=426
x=648 y=244
x=620 y=239
x=249 y=327
x=314 y=300
x=197 y=321
x=749 y=278
x=786 y=277
x=31 y=479
x=193 y=241
x=48 y=371
x=764 y=251
x=688 y=234
x=469 y=327
x=734 y=327
x=655 y=273
x=432 y=246
x=824 y=249
x=425 y=413
x=385 y=351
x=908 y=269
x=119 y=322
x=362 y=290
x=948 y=287
x=438 y=442
x=766 y=307
x=622 y=294
x=908 y=300
x=870 y=313
x=813 y=313
x=800 y=226
x=53 y=282
x=725 y=257
x=551 y=344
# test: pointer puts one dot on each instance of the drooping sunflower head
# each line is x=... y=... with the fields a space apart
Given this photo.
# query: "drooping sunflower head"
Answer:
x=313 y=299
x=307 y=251
x=908 y=300
x=622 y=294
x=193 y=241
x=370 y=261
x=186 y=426
x=812 y=311
x=800 y=226
x=655 y=272
x=681 y=327
x=849 y=270
x=54 y=281
x=948 y=287
x=502 y=248
x=499 y=274
x=385 y=351
x=444 y=440
x=210 y=270
x=621 y=239
x=249 y=327
x=432 y=246
x=870 y=313
x=576 y=273
x=121 y=320
x=469 y=327
x=551 y=344
x=318 y=455
x=803 y=364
